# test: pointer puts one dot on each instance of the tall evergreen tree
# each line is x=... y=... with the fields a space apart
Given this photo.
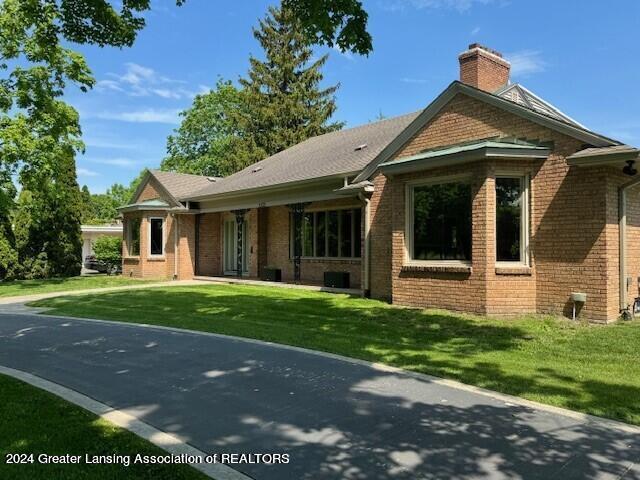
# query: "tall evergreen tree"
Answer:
x=287 y=103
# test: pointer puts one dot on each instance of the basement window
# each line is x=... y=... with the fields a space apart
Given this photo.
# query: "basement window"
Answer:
x=512 y=224
x=439 y=222
x=156 y=236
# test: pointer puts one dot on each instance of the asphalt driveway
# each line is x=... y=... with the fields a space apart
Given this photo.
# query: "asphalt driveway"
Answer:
x=336 y=419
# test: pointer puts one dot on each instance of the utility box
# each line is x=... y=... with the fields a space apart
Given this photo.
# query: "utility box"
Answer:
x=578 y=297
x=336 y=279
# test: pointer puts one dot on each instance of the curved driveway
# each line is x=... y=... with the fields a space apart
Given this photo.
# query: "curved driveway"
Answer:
x=336 y=419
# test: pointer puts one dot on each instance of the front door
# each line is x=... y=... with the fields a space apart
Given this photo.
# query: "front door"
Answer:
x=230 y=246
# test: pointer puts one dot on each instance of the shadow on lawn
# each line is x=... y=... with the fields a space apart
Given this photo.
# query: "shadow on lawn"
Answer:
x=441 y=344
x=335 y=419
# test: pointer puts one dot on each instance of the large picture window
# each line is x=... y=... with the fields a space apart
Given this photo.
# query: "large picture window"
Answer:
x=133 y=237
x=511 y=219
x=329 y=234
x=156 y=236
x=440 y=222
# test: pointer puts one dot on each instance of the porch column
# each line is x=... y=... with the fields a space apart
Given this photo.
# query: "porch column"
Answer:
x=297 y=210
x=239 y=222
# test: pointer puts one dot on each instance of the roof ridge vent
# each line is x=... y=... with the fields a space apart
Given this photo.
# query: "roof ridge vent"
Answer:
x=360 y=147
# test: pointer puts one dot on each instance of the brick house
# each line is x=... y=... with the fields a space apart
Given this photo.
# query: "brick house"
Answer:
x=490 y=200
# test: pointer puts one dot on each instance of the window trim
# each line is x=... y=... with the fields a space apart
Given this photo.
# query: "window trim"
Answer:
x=326 y=210
x=164 y=238
x=525 y=221
x=129 y=230
x=410 y=187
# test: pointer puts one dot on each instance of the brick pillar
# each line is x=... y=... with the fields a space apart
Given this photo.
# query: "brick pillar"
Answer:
x=263 y=219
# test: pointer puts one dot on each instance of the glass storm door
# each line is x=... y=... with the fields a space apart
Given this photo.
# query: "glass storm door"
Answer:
x=230 y=245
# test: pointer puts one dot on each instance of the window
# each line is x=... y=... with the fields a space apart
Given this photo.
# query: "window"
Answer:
x=333 y=234
x=511 y=219
x=440 y=222
x=156 y=236
x=133 y=239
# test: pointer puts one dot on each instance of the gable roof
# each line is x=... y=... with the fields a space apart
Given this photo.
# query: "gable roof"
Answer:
x=174 y=185
x=552 y=122
x=337 y=153
x=180 y=185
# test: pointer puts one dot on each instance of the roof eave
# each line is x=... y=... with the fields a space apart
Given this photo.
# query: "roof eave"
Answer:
x=422 y=162
x=267 y=188
x=611 y=159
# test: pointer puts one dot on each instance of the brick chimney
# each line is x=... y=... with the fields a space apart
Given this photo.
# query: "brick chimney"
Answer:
x=483 y=68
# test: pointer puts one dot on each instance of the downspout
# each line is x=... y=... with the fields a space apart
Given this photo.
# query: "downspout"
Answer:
x=176 y=238
x=622 y=241
x=367 y=243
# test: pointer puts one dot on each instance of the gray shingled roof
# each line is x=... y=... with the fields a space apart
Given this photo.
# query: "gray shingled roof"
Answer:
x=336 y=153
x=525 y=97
x=180 y=185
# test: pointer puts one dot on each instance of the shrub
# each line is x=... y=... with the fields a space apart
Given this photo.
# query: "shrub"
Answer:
x=109 y=251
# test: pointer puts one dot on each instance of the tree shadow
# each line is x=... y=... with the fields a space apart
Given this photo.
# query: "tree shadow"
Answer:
x=336 y=419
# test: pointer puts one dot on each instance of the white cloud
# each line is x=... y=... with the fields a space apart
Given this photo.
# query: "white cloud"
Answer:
x=413 y=80
x=140 y=81
x=149 y=115
x=85 y=172
x=116 y=162
x=459 y=5
x=475 y=31
x=526 y=62
x=102 y=85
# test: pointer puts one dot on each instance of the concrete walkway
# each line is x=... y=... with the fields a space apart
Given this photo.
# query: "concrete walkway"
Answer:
x=336 y=419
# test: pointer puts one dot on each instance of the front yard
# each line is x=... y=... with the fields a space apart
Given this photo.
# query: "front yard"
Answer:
x=32 y=287
x=34 y=421
x=593 y=369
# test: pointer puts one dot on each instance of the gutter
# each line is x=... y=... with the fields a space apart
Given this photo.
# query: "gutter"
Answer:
x=622 y=241
x=367 y=243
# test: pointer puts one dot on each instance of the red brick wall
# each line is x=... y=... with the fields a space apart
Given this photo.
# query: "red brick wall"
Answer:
x=381 y=210
x=615 y=179
x=311 y=270
x=145 y=266
x=210 y=245
x=568 y=238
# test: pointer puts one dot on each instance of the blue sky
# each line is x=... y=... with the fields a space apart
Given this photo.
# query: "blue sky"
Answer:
x=580 y=55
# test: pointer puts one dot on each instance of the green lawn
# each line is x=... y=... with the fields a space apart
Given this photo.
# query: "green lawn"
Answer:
x=34 y=421
x=593 y=369
x=30 y=287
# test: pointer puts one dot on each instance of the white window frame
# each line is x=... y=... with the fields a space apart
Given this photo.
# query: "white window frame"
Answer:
x=410 y=187
x=525 y=222
x=129 y=230
x=164 y=237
